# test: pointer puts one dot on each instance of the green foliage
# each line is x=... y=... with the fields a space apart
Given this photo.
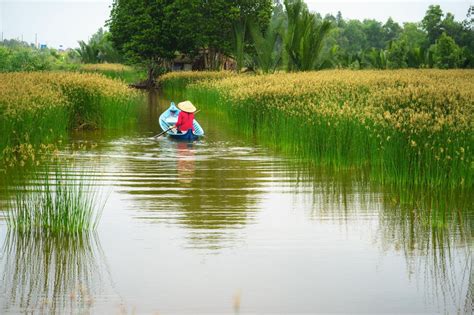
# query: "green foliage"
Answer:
x=99 y=49
x=446 y=54
x=151 y=32
x=432 y=23
x=374 y=33
x=377 y=58
x=59 y=204
x=397 y=54
x=88 y=53
x=304 y=37
x=139 y=33
x=268 y=46
x=240 y=27
x=391 y=30
x=355 y=44
x=16 y=56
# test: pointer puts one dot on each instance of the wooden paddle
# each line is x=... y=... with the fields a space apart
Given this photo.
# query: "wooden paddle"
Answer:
x=162 y=133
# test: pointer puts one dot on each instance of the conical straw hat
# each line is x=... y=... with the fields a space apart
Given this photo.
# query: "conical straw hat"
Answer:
x=187 y=107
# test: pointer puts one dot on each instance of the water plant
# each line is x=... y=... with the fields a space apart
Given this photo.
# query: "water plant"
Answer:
x=41 y=107
x=54 y=202
x=409 y=127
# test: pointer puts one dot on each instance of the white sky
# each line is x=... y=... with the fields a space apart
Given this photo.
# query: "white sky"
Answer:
x=64 y=22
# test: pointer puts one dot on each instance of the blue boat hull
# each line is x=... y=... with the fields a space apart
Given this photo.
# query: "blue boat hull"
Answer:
x=170 y=117
x=188 y=136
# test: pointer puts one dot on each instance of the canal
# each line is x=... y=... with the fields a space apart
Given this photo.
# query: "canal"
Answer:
x=225 y=225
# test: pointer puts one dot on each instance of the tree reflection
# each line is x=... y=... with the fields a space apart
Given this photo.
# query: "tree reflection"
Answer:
x=51 y=273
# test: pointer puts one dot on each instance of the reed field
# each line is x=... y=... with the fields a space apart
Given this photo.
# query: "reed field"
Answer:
x=408 y=127
x=41 y=107
x=118 y=71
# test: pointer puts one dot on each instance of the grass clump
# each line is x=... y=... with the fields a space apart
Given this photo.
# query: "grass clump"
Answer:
x=56 y=203
x=409 y=127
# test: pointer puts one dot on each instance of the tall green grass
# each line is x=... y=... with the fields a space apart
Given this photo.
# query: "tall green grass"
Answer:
x=408 y=128
x=43 y=107
x=54 y=202
x=120 y=72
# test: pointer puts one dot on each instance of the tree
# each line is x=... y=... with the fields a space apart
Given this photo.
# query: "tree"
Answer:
x=432 y=23
x=391 y=30
x=215 y=28
x=377 y=58
x=446 y=53
x=374 y=34
x=353 y=38
x=414 y=35
x=267 y=45
x=88 y=53
x=304 y=36
x=397 y=54
x=453 y=29
x=138 y=30
x=467 y=38
x=98 y=49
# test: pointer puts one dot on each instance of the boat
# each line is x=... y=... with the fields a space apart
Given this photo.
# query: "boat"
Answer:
x=169 y=118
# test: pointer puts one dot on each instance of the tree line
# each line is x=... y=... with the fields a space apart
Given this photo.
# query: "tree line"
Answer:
x=258 y=35
x=266 y=35
x=16 y=55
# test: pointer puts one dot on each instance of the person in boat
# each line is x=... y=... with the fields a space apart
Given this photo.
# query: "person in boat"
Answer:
x=185 y=117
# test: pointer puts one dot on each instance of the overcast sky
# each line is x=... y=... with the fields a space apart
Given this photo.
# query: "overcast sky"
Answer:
x=64 y=22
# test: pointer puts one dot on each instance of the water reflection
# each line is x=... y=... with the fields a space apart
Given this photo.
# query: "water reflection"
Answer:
x=209 y=188
x=185 y=163
x=224 y=214
x=432 y=229
x=434 y=232
x=51 y=273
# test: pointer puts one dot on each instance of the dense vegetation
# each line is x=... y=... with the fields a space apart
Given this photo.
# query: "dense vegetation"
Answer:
x=150 y=33
x=59 y=204
x=263 y=36
x=20 y=56
x=409 y=127
x=437 y=41
x=41 y=107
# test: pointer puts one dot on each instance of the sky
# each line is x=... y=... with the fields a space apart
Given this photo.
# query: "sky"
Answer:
x=64 y=22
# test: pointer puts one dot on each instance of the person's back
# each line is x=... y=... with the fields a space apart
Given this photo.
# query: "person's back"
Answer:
x=185 y=121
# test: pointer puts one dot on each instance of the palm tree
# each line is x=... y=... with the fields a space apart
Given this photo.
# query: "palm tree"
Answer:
x=304 y=36
x=89 y=53
x=267 y=45
x=239 y=37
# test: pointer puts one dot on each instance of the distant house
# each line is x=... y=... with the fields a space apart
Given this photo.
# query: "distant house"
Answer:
x=182 y=63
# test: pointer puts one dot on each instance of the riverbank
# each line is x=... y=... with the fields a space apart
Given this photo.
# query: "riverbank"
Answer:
x=407 y=127
x=126 y=74
x=42 y=107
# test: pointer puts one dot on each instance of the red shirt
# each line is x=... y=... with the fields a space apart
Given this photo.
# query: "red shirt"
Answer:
x=185 y=121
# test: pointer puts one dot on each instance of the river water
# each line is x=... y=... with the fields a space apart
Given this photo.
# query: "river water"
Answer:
x=224 y=225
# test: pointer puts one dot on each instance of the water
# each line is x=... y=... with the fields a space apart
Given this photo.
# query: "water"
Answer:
x=224 y=225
